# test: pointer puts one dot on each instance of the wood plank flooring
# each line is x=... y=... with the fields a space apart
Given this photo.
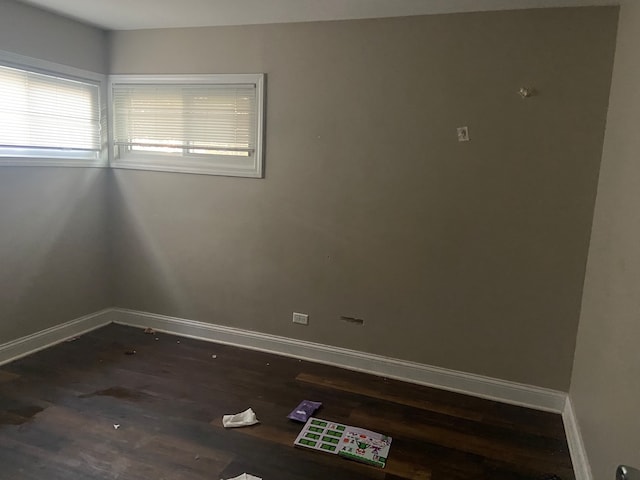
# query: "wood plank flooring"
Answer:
x=58 y=409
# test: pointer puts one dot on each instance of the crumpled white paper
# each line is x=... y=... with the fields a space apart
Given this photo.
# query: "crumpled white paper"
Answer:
x=242 y=419
x=245 y=476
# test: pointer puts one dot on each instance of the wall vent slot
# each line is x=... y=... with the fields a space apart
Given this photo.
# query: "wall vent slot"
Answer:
x=354 y=320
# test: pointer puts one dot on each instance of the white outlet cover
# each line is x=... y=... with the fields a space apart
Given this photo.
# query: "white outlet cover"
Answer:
x=301 y=318
x=463 y=134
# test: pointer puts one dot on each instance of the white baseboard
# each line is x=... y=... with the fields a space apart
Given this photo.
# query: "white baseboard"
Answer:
x=467 y=383
x=578 y=453
x=24 y=346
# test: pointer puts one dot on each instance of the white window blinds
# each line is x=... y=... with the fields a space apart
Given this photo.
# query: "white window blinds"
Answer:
x=186 y=119
x=205 y=124
x=44 y=115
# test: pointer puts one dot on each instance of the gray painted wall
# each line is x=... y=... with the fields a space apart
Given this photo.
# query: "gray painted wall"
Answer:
x=53 y=247
x=605 y=386
x=35 y=33
x=469 y=256
x=53 y=221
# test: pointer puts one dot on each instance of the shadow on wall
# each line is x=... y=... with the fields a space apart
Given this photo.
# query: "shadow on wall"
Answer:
x=53 y=247
x=140 y=250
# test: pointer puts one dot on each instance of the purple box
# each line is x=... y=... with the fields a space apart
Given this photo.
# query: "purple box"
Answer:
x=303 y=411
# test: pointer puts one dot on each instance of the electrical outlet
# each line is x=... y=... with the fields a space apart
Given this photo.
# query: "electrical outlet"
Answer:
x=463 y=134
x=301 y=318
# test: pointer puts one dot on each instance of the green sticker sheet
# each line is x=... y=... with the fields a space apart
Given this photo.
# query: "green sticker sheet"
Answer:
x=349 y=442
x=321 y=435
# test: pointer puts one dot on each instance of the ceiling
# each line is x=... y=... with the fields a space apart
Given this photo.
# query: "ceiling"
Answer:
x=138 y=14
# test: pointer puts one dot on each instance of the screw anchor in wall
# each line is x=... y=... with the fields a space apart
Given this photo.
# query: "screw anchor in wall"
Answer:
x=526 y=92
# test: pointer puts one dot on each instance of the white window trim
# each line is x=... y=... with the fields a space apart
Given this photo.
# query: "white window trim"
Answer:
x=177 y=164
x=15 y=60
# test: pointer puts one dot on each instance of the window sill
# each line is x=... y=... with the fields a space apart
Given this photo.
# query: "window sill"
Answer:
x=249 y=168
x=51 y=162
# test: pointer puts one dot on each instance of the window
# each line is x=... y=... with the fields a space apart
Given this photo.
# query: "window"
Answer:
x=208 y=124
x=46 y=117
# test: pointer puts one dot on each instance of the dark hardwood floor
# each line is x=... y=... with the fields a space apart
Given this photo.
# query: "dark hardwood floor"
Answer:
x=58 y=409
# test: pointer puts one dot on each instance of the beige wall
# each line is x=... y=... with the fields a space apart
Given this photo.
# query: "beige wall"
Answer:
x=469 y=256
x=605 y=386
x=53 y=221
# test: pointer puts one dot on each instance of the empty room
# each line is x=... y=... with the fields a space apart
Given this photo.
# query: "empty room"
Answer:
x=303 y=239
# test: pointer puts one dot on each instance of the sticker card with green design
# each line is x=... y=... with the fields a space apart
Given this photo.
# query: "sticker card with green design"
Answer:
x=322 y=435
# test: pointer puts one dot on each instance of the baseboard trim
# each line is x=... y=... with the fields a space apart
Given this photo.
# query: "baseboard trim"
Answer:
x=29 y=344
x=469 y=384
x=579 y=458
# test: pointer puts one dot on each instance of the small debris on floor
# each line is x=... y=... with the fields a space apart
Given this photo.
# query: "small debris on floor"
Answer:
x=149 y=331
x=242 y=419
x=72 y=339
x=178 y=341
x=214 y=356
x=116 y=426
x=157 y=339
x=268 y=364
x=130 y=352
x=197 y=457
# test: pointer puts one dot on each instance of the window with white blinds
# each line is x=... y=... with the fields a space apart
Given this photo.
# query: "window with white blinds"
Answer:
x=209 y=124
x=48 y=119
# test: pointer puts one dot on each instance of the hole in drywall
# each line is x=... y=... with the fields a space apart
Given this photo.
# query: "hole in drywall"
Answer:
x=353 y=320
